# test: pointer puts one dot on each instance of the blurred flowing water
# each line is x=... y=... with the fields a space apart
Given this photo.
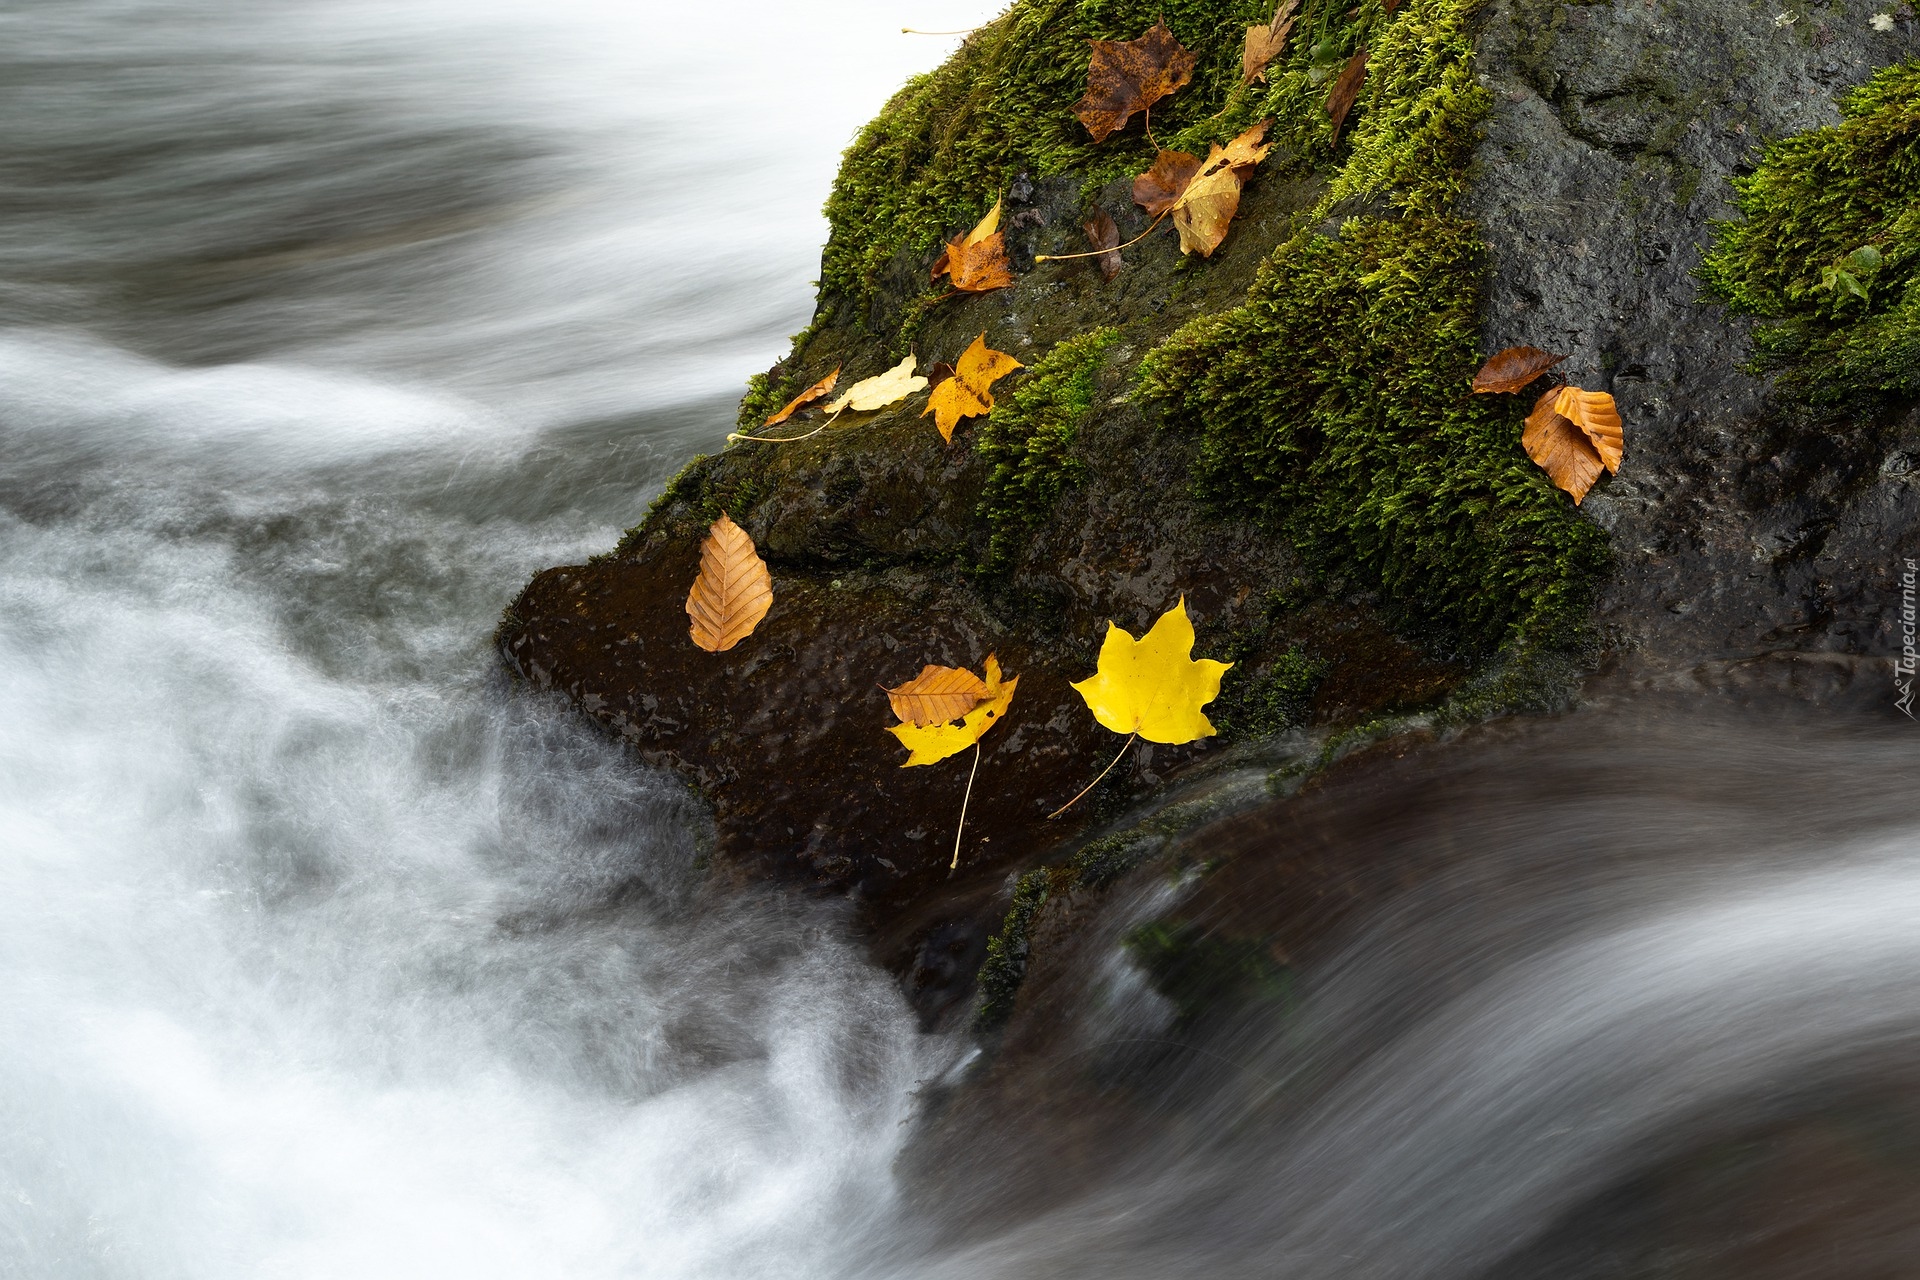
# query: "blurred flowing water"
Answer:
x=323 y=953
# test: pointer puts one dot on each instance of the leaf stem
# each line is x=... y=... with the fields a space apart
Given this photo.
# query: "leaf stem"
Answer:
x=915 y=31
x=963 y=808
x=1096 y=782
x=1056 y=257
x=735 y=435
x=1147 y=120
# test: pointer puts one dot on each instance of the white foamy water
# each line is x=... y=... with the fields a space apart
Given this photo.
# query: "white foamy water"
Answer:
x=321 y=953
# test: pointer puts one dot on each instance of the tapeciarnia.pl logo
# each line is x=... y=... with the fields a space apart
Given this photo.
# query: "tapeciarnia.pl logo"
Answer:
x=1903 y=666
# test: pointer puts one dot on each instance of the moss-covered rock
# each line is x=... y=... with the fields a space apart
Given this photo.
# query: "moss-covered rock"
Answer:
x=1283 y=432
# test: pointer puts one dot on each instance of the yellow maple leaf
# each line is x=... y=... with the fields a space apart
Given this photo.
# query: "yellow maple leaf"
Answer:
x=1154 y=686
x=881 y=390
x=968 y=393
x=930 y=744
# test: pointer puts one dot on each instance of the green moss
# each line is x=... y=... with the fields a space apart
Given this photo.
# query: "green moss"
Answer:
x=1027 y=441
x=1005 y=967
x=1261 y=698
x=1838 y=322
x=1101 y=862
x=1199 y=971
x=1335 y=402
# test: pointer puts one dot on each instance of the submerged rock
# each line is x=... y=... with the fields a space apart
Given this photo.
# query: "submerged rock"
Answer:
x=1281 y=432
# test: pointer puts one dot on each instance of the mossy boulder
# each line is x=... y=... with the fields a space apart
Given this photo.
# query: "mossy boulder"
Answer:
x=1284 y=433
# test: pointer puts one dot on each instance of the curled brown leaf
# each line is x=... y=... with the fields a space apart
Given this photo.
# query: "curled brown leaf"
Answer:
x=1102 y=234
x=1574 y=435
x=1513 y=369
x=1347 y=88
x=805 y=398
x=1265 y=43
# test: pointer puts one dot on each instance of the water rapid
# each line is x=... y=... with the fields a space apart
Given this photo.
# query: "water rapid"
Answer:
x=326 y=953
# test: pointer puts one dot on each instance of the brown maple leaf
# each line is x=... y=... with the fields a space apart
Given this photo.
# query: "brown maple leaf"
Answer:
x=977 y=261
x=804 y=399
x=1103 y=235
x=1345 y=90
x=968 y=394
x=1204 y=195
x=937 y=695
x=733 y=591
x=1513 y=369
x=1125 y=76
x=1266 y=43
x=1161 y=185
x=1574 y=435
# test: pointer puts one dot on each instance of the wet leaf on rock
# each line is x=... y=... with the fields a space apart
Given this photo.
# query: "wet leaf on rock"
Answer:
x=1513 y=369
x=733 y=590
x=977 y=261
x=932 y=743
x=881 y=390
x=937 y=695
x=804 y=399
x=1574 y=435
x=968 y=393
x=1102 y=234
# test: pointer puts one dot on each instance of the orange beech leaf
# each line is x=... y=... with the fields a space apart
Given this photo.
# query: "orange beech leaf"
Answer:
x=1264 y=44
x=977 y=261
x=1513 y=369
x=734 y=589
x=1204 y=195
x=1103 y=235
x=1574 y=435
x=804 y=399
x=967 y=393
x=1599 y=418
x=930 y=744
x=1345 y=90
x=937 y=695
x=1125 y=76
x=1157 y=188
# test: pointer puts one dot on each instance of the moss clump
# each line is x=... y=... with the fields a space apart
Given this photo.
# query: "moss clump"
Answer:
x=1101 y=862
x=1199 y=971
x=1268 y=697
x=1005 y=967
x=1336 y=403
x=1828 y=249
x=1027 y=441
x=952 y=140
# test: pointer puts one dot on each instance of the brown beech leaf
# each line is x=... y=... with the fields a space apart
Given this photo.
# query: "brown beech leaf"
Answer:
x=1264 y=44
x=1598 y=418
x=977 y=261
x=930 y=744
x=732 y=593
x=805 y=398
x=1103 y=235
x=1574 y=435
x=937 y=695
x=1125 y=76
x=1513 y=369
x=968 y=394
x=1345 y=90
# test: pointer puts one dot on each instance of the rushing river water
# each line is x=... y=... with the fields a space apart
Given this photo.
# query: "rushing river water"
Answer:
x=324 y=953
